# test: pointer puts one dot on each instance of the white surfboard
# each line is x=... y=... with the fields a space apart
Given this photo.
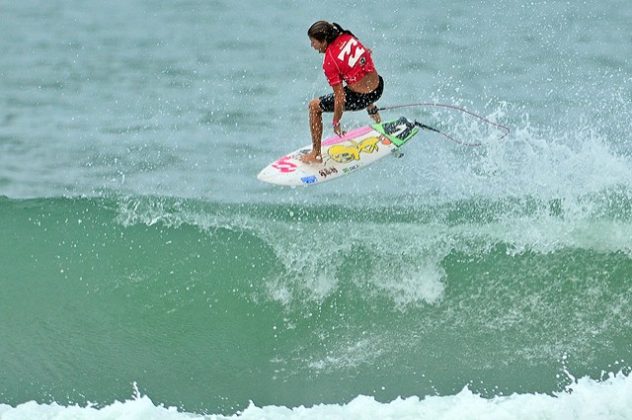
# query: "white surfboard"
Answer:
x=341 y=154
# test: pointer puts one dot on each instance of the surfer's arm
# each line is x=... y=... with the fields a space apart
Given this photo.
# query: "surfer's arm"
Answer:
x=339 y=105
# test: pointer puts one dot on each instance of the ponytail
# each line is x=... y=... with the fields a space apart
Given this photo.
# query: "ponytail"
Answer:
x=342 y=31
x=325 y=31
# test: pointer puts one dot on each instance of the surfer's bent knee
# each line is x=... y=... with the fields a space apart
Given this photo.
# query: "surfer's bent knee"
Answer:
x=314 y=106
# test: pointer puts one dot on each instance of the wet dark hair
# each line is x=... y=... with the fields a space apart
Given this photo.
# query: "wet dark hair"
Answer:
x=325 y=31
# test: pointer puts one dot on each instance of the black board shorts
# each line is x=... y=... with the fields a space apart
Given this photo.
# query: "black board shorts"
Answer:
x=354 y=101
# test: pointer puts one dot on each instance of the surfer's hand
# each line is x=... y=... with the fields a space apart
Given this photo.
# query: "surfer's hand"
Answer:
x=338 y=129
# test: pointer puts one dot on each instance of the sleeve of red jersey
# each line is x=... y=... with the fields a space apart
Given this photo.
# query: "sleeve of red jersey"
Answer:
x=331 y=70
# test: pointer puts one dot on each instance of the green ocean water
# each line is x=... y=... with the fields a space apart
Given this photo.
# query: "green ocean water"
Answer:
x=209 y=306
x=141 y=261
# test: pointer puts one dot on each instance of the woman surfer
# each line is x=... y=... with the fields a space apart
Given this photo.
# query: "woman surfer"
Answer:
x=346 y=60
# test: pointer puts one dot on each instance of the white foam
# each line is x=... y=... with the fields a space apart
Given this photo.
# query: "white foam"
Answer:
x=584 y=399
x=400 y=261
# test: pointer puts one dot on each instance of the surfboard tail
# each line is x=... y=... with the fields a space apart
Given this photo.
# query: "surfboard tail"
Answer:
x=398 y=131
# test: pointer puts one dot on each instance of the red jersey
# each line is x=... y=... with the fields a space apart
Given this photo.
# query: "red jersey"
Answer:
x=346 y=59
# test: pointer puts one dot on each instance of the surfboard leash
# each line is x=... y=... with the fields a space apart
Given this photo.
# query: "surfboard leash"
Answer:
x=453 y=107
x=427 y=127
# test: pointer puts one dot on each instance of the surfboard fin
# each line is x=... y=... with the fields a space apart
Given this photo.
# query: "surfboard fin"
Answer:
x=397 y=153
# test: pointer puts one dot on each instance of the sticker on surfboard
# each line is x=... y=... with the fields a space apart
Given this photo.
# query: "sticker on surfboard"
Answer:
x=342 y=155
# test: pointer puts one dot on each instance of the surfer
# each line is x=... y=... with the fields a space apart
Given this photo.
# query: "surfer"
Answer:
x=346 y=60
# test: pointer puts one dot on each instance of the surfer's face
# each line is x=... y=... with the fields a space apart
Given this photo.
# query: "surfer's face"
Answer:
x=319 y=46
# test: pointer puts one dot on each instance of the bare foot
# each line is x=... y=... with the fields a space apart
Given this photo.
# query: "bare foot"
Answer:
x=312 y=157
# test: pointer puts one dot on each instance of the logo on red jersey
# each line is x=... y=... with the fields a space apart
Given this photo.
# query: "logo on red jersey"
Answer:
x=352 y=50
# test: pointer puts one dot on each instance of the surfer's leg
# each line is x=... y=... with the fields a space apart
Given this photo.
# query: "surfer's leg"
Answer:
x=316 y=125
x=375 y=96
x=317 y=106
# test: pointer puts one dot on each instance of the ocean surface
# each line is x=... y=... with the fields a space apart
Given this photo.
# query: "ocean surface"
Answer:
x=146 y=273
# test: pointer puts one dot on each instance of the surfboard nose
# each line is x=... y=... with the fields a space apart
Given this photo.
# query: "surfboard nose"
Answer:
x=275 y=176
x=266 y=175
